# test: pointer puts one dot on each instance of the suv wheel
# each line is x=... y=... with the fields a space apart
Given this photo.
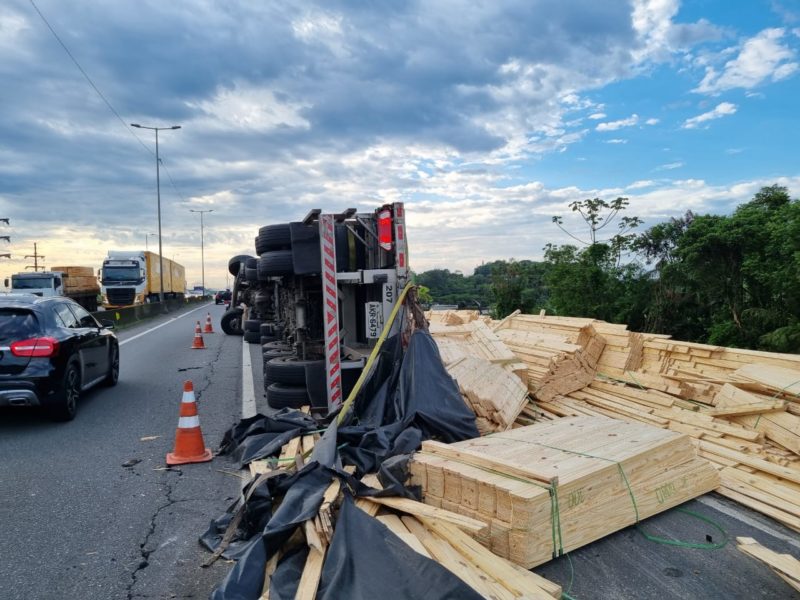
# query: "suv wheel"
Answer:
x=113 y=367
x=65 y=399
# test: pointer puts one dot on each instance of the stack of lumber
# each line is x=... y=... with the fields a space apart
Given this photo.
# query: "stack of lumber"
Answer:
x=555 y=364
x=785 y=566
x=556 y=486
x=496 y=396
x=454 y=317
x=439 y=534
x=78 y=279
x=489 y=376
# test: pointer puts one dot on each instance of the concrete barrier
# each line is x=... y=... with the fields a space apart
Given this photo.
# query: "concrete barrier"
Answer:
x=123 y=317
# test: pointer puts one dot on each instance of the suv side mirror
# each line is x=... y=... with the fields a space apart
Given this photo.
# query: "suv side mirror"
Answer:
x=5 y=282
x=107 y=324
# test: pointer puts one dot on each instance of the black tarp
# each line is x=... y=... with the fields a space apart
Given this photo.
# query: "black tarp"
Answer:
x=366 y=561
x=408 y=397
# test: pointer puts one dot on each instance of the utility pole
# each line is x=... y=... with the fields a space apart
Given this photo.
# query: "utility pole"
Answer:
x=35 y=256
x=158 y=196
x=202 y=247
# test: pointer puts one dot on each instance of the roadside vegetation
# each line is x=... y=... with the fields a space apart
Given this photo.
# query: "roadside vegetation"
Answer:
x=731 y=280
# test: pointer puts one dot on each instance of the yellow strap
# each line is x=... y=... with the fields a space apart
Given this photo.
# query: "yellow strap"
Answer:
x=374 y=355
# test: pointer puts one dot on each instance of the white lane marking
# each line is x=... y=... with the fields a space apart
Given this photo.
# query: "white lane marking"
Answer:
x=248 y=387
x=138 y=335
x=748 y=521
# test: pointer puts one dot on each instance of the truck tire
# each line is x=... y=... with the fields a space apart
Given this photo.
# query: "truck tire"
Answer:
x=270 y=353
x=289 y=370
x=235 y=263
x=267 y=329
x=251 y=274
x=275 y=263
x=266 y=339
x=286 y=396
x=252 y=337
x=252 y=325
x=231 y=321
x=273 y=237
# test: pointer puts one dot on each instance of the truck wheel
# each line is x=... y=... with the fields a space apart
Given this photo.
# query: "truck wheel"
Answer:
x=275 y=263
x=266 y=339
x=273 y=237
x=289 y=370
x=231 y=321
x=235 y=263
x=253 y=325
x=252 y=337
x=267 y=329
x=270 y=353
x=65 y=400
x=286 y=396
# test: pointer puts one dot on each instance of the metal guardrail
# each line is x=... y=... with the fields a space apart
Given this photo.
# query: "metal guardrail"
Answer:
x=133 y=314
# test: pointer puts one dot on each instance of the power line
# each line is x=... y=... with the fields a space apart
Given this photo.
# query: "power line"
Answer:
x=89 y=79
x=105 y=100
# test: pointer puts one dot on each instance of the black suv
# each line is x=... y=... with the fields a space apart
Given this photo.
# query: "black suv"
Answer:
x=51 y=350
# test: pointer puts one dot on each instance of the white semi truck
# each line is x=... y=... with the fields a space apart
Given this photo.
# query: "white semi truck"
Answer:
x=78 y=283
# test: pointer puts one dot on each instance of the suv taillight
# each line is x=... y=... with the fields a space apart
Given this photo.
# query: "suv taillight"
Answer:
x=385 y=229
x=35 y=347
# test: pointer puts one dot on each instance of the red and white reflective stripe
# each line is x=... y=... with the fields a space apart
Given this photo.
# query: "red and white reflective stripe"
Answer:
x=330 y=308
x=401 y=244
x=188 y=422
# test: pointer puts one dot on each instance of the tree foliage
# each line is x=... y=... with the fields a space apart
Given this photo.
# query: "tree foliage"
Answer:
x=731 y=280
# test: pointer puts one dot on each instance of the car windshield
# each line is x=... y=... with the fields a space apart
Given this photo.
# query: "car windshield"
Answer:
x=120 y=274
x=17 y=324
x=31 y=283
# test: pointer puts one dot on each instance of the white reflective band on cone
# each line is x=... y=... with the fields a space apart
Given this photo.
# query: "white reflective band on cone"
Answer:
x=188 y=397
x=188 y=422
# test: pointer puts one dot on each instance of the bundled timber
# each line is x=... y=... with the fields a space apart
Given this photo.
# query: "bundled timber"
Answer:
x=434 y=532
x=495 y=395
x=571 y=480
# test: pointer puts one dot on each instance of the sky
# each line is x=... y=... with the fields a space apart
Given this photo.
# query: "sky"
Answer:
x=486 y=117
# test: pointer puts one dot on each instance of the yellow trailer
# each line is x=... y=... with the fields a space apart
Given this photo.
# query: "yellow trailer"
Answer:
x=134 y=277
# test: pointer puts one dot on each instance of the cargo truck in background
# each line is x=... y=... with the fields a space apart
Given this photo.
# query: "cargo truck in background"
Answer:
x=317 y=298
x=130 y=277
x=78 y=283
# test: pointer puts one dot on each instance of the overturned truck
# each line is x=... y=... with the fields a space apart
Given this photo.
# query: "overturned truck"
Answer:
x=316 y=299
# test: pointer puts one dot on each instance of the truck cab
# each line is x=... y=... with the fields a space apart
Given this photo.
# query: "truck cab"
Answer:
x=41 y=283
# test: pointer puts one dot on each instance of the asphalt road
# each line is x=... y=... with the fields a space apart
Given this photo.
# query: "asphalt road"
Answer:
x=76 y=521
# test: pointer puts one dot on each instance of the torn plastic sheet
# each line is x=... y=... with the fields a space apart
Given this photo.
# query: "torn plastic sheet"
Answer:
x=301 y=502
x=408 y=397
x=366 y=561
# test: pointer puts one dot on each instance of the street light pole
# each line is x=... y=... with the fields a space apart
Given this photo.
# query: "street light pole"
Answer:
x=202 y=248
x=158 y=195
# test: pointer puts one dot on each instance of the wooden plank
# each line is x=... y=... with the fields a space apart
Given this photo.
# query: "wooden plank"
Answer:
x=412 y=507
x=528 y=585
x=397 y=527
x=309 y=580
x=272 y=564
x=451 y=560
x=785 y=565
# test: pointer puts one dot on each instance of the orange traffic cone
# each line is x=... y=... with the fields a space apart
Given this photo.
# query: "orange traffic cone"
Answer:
x=208 y=328
x=198 y=344
x=189 y=446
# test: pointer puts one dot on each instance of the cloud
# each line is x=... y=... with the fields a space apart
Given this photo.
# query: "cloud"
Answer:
x=760 y=59
x=614 y=125
x=652 y=121
x=616 y=141
x=670 y=166
x=721 y=110
x=597 y=116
